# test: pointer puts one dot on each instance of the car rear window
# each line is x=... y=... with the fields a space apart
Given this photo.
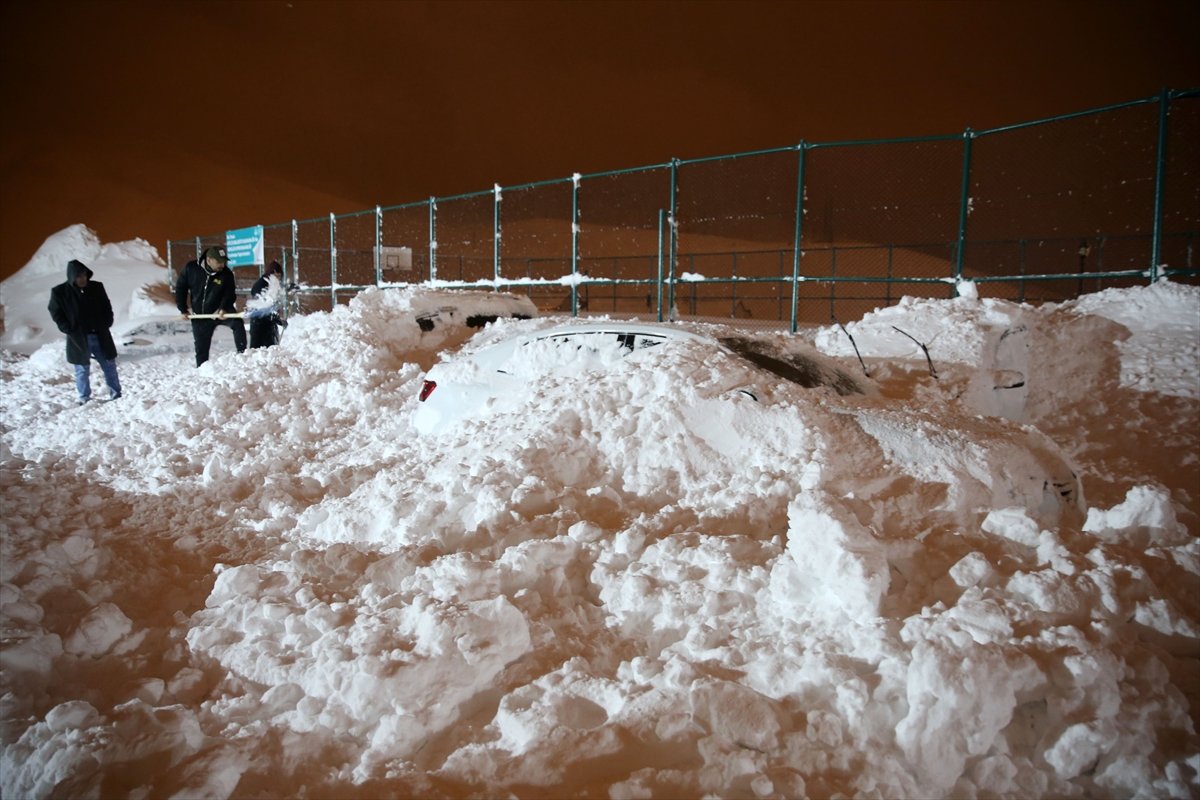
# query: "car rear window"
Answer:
x=795 y=367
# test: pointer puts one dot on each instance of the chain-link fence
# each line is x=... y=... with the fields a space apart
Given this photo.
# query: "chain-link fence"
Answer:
x=809 y=233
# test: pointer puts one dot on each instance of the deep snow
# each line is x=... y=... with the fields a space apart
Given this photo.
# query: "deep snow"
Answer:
x=254 y=579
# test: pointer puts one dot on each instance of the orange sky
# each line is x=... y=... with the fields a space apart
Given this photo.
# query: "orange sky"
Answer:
x=171 y=119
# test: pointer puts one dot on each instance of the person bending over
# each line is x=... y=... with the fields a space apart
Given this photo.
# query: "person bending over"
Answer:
x=266 y=297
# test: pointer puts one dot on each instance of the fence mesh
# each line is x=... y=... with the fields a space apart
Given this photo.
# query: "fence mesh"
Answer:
x=536 y=238
x=1037 y=211
x=404 y=236
x=277 y=246
x=465 y=238
x=354 y=237
x=736 y=225
x=875 y=214
x=620 y=238
x=1064 y=197
x=1181 y=186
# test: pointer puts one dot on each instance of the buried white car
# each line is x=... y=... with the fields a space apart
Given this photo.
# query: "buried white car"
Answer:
x=733 y=387
x=453 y=391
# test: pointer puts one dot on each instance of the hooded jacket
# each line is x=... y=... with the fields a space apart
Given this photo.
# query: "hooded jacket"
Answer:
x=210 y=291
x=78 y=312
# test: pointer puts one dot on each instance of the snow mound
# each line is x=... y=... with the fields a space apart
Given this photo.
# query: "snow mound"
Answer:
x=73 y=242
x=1161 y=358
x=133 y=275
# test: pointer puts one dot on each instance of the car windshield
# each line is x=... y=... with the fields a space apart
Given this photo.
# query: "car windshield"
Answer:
x=795 y=367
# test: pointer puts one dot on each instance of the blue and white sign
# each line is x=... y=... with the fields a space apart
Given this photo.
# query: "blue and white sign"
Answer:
x=244 y=246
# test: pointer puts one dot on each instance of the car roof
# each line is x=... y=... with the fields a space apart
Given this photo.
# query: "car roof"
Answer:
x=617 y=326
x=499 y=350
x=807 y=370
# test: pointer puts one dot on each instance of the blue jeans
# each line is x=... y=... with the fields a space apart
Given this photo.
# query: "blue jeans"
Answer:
x=83 y=378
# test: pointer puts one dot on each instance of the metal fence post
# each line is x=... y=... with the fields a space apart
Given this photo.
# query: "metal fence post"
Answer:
x=170 y=268
x=672 y=231
x=661 y=218
x=963 y=208
x=432 y=239
x=378 y=245
x=496 y=232
x=574 y=244
x=801 y=149
x=332 y=260
x=295 y=254
x=1159 y=178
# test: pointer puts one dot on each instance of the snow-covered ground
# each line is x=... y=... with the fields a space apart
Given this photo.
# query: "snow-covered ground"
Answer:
x=254 y=579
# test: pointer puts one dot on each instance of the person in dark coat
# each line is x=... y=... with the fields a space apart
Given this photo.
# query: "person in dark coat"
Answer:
x=81 y=309
x=264 y=319
x=209 y=285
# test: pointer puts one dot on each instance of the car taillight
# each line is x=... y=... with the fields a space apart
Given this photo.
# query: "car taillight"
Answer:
x=427 y=389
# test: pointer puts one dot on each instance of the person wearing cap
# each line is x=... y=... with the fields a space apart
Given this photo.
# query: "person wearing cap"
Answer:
x=81 y=309
x=262 y=308
x=208 y=284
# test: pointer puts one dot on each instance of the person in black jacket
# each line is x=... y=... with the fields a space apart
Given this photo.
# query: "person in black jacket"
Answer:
x=81 y=309
x=264 y=317
x=210 y=284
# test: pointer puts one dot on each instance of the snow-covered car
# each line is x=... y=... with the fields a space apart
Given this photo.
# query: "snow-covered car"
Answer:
x=738 y=394
x=457 y=307
x=453 y=391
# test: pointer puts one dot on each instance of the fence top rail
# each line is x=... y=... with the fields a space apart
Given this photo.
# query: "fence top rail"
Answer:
x=750 y=154
x=626 y=171
x=945 y=137
x=1165 y=95
x=402 y=206
x=521 y=187
x=465 y=195
x=1063 y=117
x=352 y=214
